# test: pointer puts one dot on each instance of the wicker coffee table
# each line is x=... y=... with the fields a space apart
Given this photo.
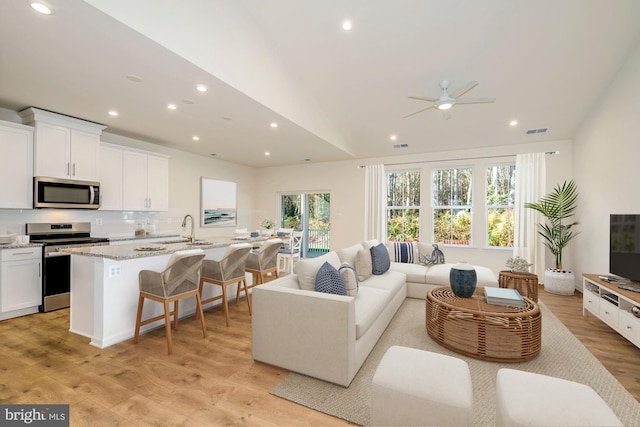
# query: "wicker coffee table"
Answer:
x=484 y=331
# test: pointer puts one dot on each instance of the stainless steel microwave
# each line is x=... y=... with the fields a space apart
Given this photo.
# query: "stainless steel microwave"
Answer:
x=65 y=193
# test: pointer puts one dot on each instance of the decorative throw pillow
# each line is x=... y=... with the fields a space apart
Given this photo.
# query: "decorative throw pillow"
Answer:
x=329 y=280
x=363 y=264
x=380 y=261
x=402 y=252
x=436 y=257
x=350 y=278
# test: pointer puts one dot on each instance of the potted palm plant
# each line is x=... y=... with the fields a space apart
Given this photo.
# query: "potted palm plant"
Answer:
x=558 y=207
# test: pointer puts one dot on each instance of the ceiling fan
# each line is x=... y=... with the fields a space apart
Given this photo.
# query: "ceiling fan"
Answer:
x=448 y=100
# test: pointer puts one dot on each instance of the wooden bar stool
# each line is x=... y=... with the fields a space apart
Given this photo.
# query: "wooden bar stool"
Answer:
x=178 y=281
x=261 y=262
x=226 y=271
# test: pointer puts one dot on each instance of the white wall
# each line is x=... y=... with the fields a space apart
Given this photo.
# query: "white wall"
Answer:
x=607 y=164
x=345 y=182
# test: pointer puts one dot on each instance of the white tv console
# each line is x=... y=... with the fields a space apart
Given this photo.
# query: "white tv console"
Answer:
x=612 y=305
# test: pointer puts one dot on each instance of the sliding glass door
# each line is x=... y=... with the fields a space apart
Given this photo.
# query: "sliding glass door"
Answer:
x=309 y=212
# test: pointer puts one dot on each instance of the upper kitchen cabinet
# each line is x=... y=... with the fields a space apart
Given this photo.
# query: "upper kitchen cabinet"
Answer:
x=16 y=166
x=110 y=176
x=146 y=181
x=64 y=147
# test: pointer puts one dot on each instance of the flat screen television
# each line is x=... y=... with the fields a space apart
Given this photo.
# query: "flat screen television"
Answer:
x=624 y=246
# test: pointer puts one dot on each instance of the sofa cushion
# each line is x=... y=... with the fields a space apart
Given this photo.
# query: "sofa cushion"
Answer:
x=430 y=254
x=416 y=273
x=439 y=275
x=369 y=305
x=392 y=281
x=350 y=278
x=329 y=280
x=406 y=252
x=307 y=268
x=380 y=261
x=349 y=254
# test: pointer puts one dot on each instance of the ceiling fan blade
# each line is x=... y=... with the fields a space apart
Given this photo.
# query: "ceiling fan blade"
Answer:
x=419 y=111
x=475 y=100
x=446 y=114
x=424 y=98
x=463 y=89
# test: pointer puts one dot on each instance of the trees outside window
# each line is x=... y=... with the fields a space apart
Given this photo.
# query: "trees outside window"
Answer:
x=403 y=206
x=500 y=204
x=452 y=198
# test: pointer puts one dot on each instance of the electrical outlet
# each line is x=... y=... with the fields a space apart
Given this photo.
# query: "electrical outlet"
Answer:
x=98 y=221
x=115 y=270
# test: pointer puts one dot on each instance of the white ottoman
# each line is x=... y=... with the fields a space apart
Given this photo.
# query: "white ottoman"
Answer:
x=528 y=399
x=419 y=388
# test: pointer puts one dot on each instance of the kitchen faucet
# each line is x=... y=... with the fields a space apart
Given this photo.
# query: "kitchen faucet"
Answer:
x=192 y=236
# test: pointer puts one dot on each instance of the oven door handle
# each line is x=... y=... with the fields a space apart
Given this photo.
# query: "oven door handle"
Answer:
x=55 y=254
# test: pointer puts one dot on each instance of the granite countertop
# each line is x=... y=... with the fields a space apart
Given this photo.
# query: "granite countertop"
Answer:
x=141 y=250
x=20 y=245
x=146 y=236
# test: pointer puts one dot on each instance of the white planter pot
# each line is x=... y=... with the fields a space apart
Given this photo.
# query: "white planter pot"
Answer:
x=560 y=282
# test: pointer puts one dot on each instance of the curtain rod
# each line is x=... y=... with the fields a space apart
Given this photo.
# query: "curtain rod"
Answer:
x=459 y=159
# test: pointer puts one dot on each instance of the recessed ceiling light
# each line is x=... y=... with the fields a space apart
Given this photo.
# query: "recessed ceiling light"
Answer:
x=41 y=7
x=274 y=125
x=134 y=78
x=172 y=106
x=513 y=123
x=266 y=153
x=201 y=88
x=196 y=138
x=393 y=137
x=113 y=113
x=347 y=26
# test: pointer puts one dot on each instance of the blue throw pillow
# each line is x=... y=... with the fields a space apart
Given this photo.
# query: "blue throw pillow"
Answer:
x=329 y=280
x=403 y=252
x=380 y=259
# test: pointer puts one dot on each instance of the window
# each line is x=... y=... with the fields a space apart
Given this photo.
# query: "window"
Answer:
x=500 y=204
x=403 y=206
x=451 y=203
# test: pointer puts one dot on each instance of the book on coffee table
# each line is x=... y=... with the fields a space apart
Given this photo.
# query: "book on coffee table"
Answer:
x=504 y=296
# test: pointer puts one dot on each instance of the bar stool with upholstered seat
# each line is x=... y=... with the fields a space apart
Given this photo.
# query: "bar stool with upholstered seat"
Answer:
x=178 y=281
x=262 y=261
x=226 y=271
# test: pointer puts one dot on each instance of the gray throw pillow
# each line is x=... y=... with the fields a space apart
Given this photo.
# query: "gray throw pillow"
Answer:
x=329 y=280
x=380 y=260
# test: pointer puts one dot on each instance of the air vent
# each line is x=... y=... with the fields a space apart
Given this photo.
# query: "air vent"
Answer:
x=532 y=131
x=400 y=145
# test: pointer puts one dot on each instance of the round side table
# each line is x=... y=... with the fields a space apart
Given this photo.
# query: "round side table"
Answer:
x=525 y=283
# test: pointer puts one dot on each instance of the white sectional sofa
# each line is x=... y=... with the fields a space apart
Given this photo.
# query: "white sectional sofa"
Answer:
x=329 y=336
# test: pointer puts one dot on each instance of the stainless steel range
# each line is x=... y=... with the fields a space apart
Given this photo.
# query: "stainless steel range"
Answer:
x=56 y=278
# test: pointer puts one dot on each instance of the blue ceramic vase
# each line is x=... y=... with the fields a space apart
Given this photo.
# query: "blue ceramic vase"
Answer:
x=463 y=279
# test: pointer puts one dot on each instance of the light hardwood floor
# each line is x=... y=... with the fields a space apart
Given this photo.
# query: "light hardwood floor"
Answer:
x=210 y=381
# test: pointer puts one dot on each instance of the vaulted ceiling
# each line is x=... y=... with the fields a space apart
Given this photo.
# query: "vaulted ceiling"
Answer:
x=334 y=94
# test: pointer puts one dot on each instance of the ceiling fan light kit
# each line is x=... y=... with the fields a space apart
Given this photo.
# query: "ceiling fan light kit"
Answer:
x=447 y=100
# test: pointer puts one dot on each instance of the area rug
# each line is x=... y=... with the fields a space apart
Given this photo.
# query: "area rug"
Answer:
x=562 y=355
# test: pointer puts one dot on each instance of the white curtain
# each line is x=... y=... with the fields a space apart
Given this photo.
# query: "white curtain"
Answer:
x=530 y=188
x=375 y=201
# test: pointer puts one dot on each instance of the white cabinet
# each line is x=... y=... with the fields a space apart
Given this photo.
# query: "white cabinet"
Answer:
x=612 y=305
x=146 y=182
x=110 y=175
x=16 y=166
x=64 y=147
x=20 y=281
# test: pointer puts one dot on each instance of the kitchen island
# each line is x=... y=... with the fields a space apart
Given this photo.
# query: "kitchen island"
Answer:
x=104 y=286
